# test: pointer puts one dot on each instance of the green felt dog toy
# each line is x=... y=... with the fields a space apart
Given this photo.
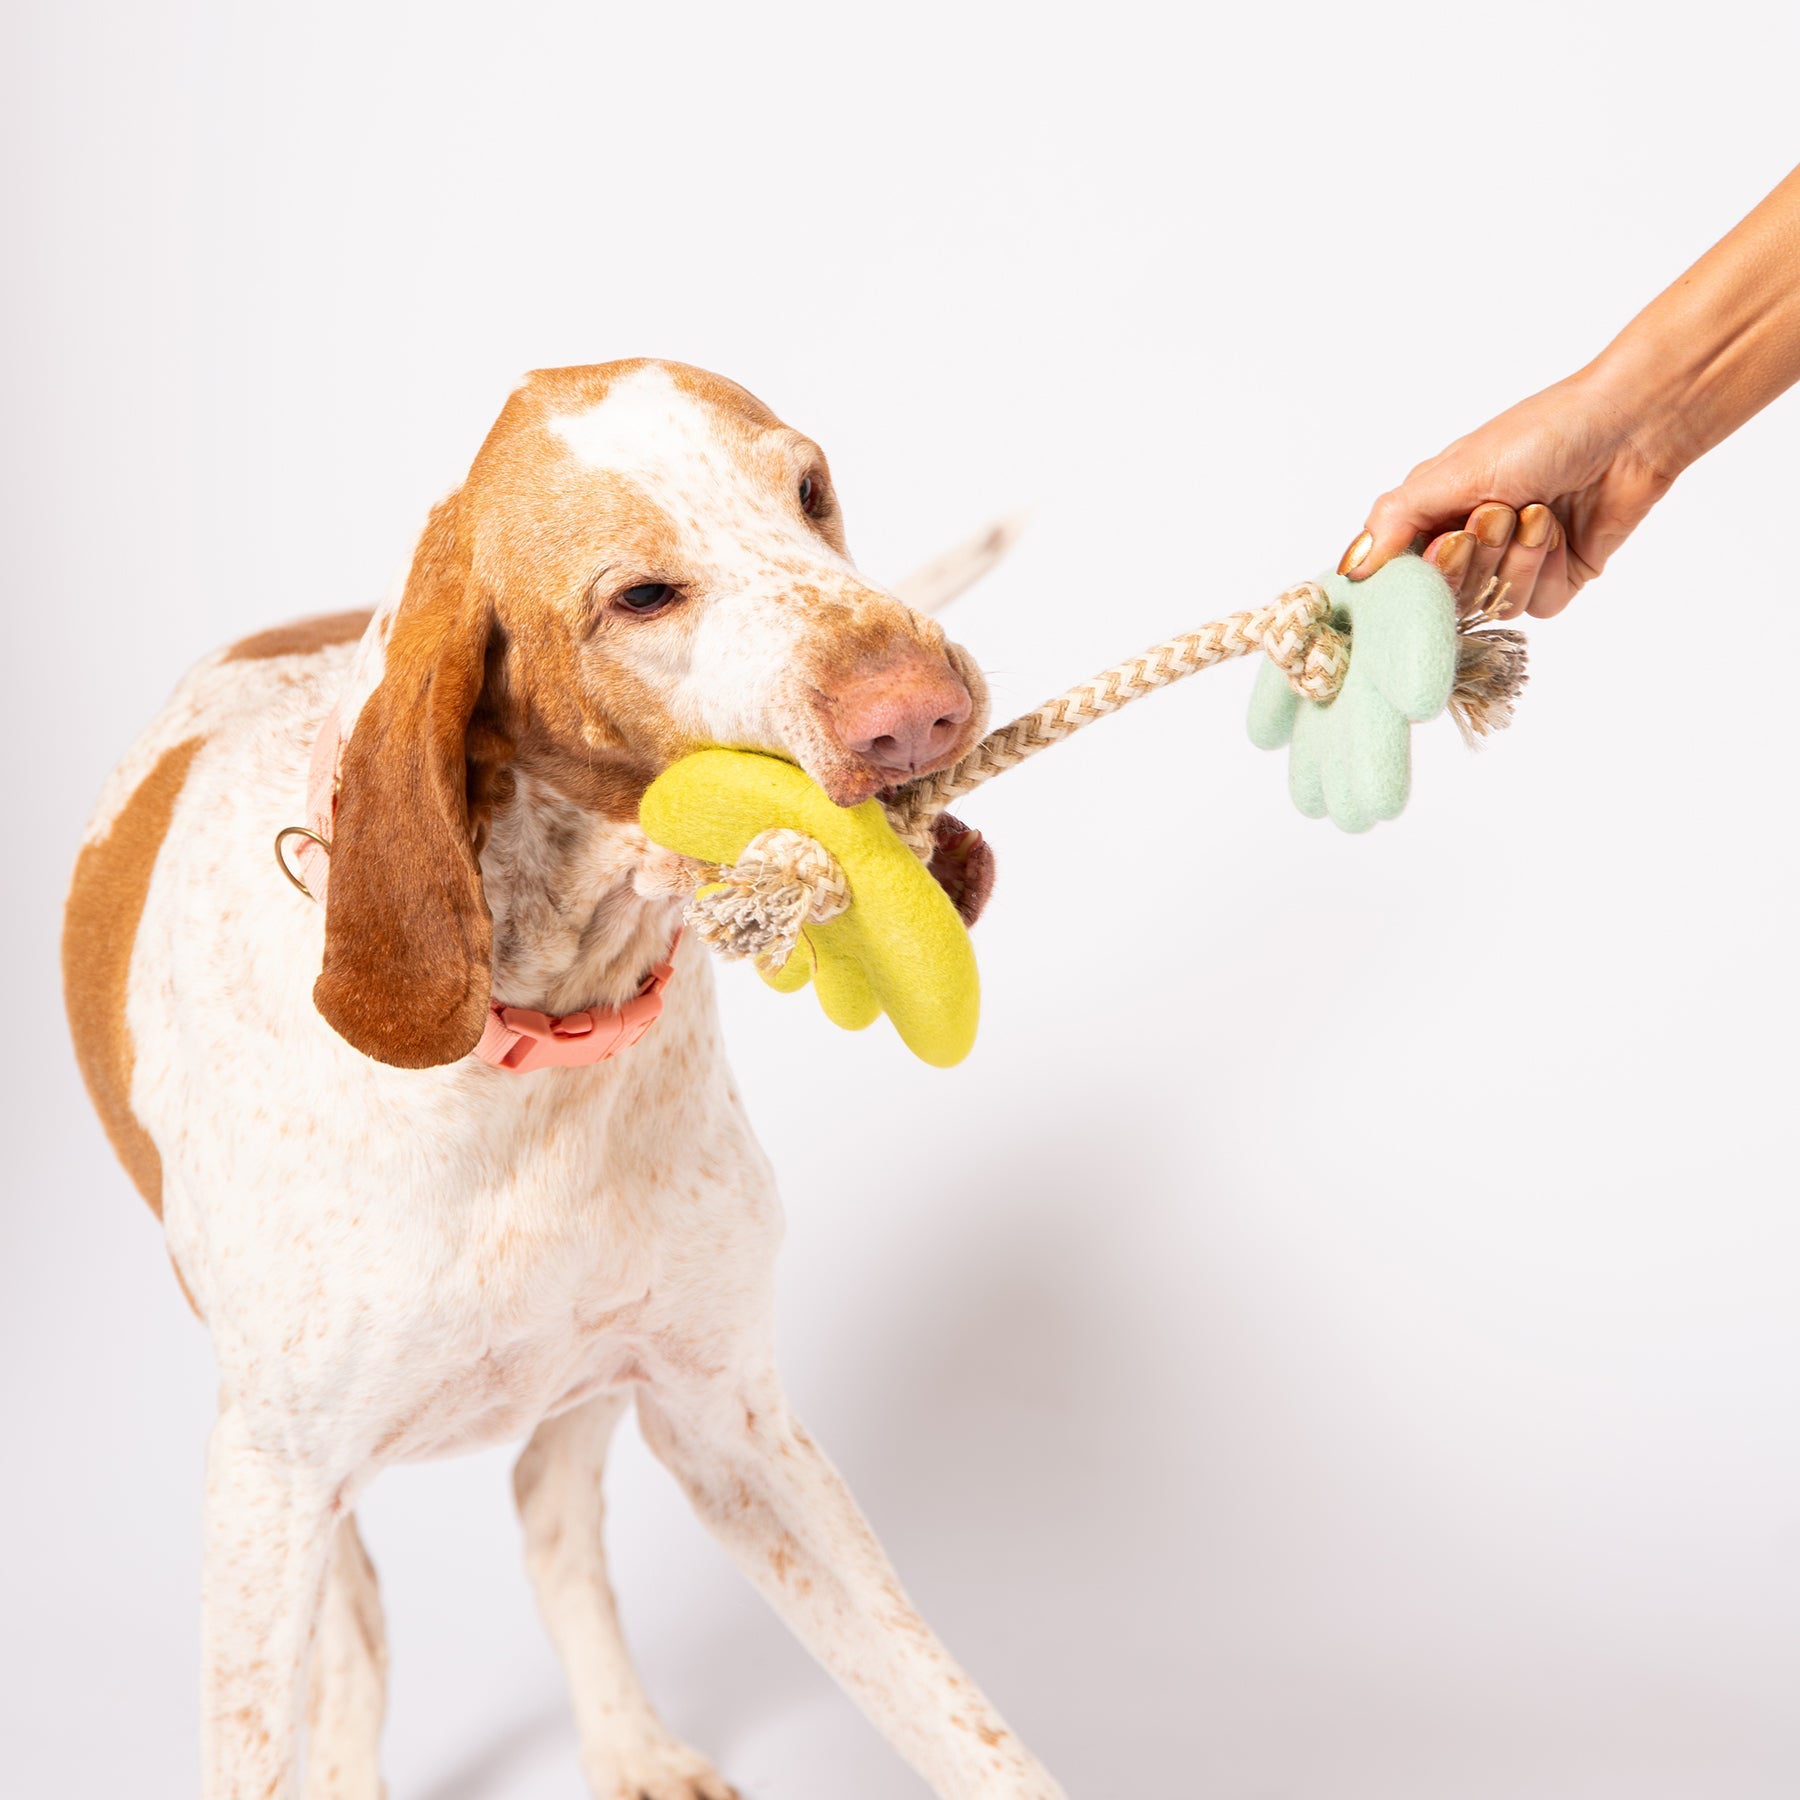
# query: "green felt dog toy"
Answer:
x=847 y=897
x=1351 y=756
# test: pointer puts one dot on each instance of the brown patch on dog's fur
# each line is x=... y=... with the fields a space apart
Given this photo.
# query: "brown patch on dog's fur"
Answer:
x=100 y=923
x=587 y=384
x=301 y=637
x=407 y=933
x=187 y=1293
x=610 y=787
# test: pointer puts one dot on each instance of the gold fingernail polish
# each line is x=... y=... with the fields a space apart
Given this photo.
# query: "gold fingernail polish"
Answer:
x=1358 y=552
x=1534 y=527
x=1494 y=525
x=1454 y=558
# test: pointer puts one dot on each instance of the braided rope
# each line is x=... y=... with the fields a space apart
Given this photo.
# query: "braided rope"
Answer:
x=784 y=879
x=1294 y=631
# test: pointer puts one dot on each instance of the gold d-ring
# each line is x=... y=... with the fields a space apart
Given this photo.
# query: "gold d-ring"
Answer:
x=281 y=837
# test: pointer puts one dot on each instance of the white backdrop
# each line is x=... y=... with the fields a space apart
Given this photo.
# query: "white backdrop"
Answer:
x=1378 y=1388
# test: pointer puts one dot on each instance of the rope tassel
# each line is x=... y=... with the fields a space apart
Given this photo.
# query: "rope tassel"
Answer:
x=1490 y=668
x=757 y=907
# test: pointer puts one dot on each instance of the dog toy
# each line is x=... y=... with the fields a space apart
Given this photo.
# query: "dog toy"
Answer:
x=1352 y=666
x=793 y=873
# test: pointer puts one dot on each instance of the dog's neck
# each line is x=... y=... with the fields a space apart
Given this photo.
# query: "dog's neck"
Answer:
x=582 y=905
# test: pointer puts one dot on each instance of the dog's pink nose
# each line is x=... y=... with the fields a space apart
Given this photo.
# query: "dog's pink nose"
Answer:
x=902 y=716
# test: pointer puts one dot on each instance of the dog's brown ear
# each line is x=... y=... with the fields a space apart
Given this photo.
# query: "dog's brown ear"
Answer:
x=408 y=935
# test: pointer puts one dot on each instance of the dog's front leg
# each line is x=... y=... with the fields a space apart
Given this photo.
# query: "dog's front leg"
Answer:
x=784 y=1512
x=268 y=1533
x=347 y=1690
x=625 y=1748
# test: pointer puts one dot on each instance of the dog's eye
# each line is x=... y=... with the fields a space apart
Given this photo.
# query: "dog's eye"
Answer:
x=812 y=495
x=647 y=597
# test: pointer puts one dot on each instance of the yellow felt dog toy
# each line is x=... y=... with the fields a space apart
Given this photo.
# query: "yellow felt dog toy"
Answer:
x=899 y=947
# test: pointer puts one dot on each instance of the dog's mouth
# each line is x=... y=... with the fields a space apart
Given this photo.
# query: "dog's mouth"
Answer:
x=881 y=766
x=962 y=860
x=849 y=778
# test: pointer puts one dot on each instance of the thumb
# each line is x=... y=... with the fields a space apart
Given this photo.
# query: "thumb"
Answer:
x=1435 y=496
x=1394 y=522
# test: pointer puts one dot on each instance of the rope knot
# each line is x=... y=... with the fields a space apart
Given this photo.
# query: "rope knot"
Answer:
x=1297 y=633
x=783 y=881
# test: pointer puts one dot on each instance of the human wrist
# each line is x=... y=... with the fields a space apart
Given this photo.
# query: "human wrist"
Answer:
x=1709 y=352
x=1704 y=356
x=1642 y=395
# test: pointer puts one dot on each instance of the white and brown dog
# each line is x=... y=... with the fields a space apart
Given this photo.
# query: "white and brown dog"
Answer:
x=402 y=1250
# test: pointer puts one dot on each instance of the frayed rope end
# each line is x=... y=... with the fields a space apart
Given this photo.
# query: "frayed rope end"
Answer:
x=1490 y=668
x=758 y=906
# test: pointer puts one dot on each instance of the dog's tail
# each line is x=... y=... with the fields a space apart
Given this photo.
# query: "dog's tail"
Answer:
x=933 y=586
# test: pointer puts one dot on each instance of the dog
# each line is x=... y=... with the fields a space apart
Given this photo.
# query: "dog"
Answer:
x=407 y=1240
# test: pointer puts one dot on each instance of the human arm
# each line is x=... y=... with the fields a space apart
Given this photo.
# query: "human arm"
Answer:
x=1543 y=495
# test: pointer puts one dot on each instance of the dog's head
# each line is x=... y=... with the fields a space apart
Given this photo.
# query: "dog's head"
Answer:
x=643 y=560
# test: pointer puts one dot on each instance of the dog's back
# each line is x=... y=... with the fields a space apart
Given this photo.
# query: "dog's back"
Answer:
x=253 y=703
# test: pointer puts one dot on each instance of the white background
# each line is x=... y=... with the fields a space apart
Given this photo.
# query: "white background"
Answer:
x=1337 y=1338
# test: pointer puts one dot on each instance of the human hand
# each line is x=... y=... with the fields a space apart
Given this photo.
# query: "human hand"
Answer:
x=1539 y=497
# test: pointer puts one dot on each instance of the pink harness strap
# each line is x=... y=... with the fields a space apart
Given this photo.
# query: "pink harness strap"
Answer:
x=314 y=851
x=514 y=1037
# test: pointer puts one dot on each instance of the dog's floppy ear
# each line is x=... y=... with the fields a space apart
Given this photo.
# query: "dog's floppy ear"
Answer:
x=408 y=935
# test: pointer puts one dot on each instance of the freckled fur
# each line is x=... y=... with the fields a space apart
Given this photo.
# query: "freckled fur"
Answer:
x=405 y=1253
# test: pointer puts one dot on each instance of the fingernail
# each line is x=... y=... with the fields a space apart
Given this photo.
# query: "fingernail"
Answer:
x=1494 y=525
x=1454 y=557
x=1534 y=526
x=1358 y=553
x=1556 y=532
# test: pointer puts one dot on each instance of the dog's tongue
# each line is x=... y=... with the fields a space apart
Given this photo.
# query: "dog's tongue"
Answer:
x=963 y=864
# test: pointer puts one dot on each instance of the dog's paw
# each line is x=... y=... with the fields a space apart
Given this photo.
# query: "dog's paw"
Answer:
x=963 y=862
x=661 y=1772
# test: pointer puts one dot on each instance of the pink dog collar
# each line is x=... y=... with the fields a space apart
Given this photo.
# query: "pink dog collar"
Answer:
x=517 y=1038
x=514 y=1037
